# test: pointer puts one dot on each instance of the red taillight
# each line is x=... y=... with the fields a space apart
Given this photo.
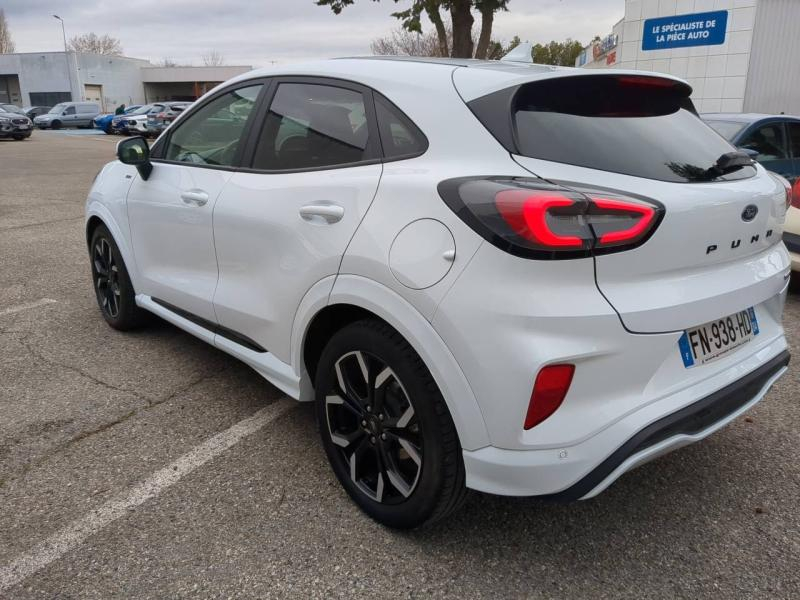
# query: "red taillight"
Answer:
x=549 y=391
x=794 y=194
x=537 y=219
x=527 y=211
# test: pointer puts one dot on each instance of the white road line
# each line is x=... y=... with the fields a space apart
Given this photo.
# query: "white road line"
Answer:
x=27 y=306
x=75 y=533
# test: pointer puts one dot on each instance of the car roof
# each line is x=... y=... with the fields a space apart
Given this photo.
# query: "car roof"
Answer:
x=472 y=77
x=744 y=117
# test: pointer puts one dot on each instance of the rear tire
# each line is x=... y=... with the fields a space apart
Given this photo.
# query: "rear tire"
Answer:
x=112 y=285
x=386 y=428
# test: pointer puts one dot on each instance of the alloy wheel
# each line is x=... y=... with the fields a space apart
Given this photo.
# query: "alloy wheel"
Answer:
x=106 y=274
x=371 y=419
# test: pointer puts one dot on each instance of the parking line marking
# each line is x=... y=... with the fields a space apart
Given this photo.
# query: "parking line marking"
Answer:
x=27 y=306
x=74 y=534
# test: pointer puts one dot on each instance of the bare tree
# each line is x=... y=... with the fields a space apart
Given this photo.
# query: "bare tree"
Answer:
x=6 y=43
x=167 y=62
x=95 y=44
x=213 y=59
x=404 y=42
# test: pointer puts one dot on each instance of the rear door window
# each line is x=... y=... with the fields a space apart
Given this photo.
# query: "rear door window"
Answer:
x=635 y=125
x=313 y=126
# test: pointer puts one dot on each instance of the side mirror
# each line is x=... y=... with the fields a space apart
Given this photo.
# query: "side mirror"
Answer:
x=749 y=151
x=135 y=151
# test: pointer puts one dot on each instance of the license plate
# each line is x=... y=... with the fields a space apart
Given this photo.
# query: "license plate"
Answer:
x=711 y=341
x=22 y=126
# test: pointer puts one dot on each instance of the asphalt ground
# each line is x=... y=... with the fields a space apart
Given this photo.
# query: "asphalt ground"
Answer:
x=150 y=465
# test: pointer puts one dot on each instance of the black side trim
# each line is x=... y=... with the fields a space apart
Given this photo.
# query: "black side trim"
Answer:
x=233 y=336
x=689 y=420
x=792 y=241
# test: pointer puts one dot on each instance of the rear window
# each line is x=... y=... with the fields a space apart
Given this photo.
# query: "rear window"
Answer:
x=635 y=125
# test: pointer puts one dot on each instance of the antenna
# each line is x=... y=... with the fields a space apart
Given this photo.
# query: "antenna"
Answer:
x=520 y=54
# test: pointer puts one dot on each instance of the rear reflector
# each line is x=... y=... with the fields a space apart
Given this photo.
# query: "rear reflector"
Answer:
x=549 y=391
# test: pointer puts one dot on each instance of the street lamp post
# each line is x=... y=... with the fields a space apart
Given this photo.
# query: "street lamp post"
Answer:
x=66 y=55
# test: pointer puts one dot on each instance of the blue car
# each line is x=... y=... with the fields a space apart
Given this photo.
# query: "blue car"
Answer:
x=772 y=140
x=104 y=121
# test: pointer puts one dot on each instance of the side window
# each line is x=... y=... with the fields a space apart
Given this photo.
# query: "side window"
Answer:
x=399 y=136
x=211 y=136
x=769 y=141
x=794 y=136
x=312 y=126
x=69 y=111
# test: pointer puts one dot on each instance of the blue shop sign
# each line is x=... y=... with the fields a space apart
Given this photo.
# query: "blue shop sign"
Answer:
x=681 y=31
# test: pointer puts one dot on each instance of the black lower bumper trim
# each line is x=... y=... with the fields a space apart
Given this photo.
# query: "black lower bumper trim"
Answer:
x=689 y=420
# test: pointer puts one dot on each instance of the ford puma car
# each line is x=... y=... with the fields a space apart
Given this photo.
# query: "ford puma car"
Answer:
x=517 y=279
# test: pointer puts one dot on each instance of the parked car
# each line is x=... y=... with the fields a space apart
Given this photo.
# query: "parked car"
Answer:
x=774 y=141
x=158 y=122
x=104 y=121
x=68 y=114
x=481 y=279
x=13 y=123
x=34 y=111
x=136 y=120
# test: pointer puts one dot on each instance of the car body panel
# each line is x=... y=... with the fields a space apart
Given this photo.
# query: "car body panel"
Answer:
x=492 y=320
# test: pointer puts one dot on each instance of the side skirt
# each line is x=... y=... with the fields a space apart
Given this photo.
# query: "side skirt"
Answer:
x=277 y=372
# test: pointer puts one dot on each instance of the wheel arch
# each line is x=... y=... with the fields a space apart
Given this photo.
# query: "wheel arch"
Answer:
x=338 y=301
x=98 y=214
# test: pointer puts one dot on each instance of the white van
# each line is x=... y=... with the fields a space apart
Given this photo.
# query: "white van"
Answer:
x=68 y=114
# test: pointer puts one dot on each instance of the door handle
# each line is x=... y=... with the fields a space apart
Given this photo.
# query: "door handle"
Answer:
x=331 y=213
x=194 y=197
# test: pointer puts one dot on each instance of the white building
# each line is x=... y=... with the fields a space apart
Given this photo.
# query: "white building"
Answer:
x=738 y=55
x=47 y=78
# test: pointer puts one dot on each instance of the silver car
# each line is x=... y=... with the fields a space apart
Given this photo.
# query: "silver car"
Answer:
x=68 y=114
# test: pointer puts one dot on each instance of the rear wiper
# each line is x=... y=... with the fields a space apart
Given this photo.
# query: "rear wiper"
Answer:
x=729 y=162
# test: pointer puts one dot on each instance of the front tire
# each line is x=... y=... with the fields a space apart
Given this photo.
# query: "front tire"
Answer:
x=386 y=429
x=55 y=125
x=112 y=285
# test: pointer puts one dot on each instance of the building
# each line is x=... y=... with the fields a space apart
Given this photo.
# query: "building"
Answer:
x=47 y=78
x=738 y=55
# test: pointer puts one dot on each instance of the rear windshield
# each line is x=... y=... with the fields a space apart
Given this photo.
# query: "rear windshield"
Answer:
x=635 y=125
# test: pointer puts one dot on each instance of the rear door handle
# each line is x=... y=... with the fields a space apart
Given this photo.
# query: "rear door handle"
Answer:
x=330 y=213
x=194 y=197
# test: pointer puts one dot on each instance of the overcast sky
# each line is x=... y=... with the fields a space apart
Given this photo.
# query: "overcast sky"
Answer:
x=256 y=32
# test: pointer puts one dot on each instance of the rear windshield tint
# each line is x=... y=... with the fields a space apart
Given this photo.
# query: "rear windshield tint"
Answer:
x=635 y=125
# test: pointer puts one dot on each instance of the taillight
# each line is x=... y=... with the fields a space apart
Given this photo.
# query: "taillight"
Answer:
x=537 y=219
x=794 y=194
x=549 y=391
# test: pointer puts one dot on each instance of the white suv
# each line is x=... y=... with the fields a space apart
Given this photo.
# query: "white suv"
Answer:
x=517 y=279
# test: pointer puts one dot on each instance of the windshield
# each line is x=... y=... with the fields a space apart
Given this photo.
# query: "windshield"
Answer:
x=635 y=125
x=12 y=109
x=142 y=110
x=56 y=110
x=727 y=129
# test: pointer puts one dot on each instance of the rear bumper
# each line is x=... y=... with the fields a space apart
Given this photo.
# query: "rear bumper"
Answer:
x=586 y=469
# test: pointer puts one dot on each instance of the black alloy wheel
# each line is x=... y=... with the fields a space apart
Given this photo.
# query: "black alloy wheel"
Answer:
x=386 y=428
x=112 y=285
x=371 y=419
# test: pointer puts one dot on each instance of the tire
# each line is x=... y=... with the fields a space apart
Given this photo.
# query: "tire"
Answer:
x=55 y=125
x=388 y=435
x=112 y=285
x=19 y=138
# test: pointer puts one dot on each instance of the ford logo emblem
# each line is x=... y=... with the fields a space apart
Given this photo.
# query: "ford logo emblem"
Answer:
x=749 y=213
